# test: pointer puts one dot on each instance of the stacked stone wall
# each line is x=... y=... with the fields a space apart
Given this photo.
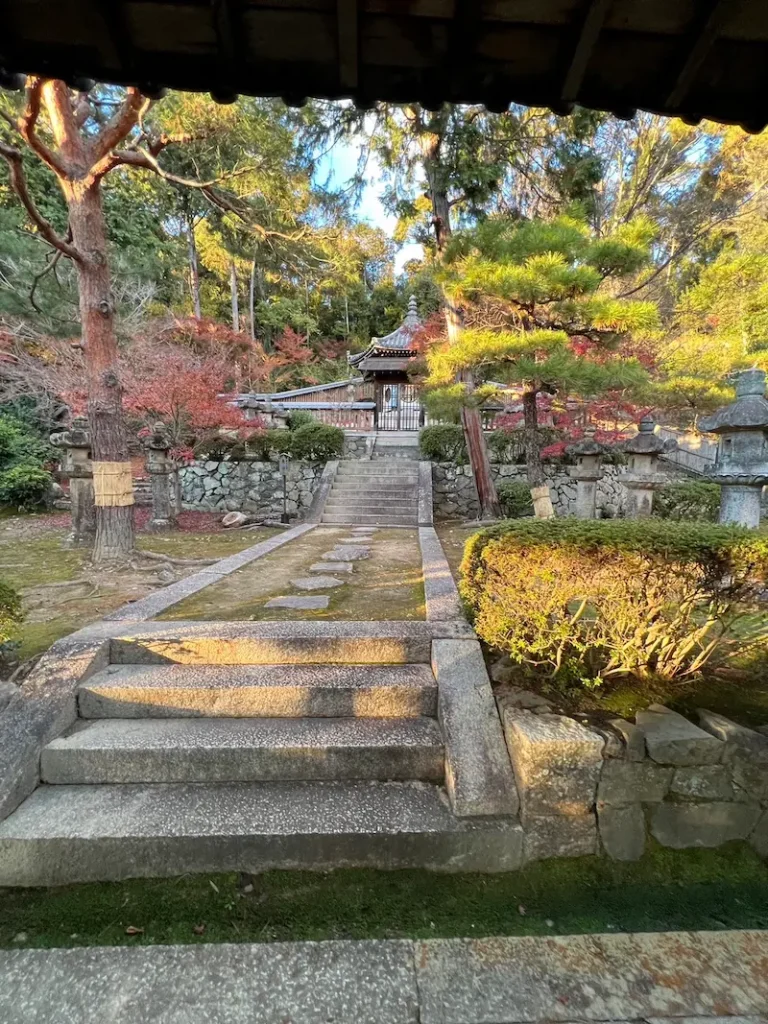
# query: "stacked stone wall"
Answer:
x=255 y=487
x=455 y=498
x=585 y=790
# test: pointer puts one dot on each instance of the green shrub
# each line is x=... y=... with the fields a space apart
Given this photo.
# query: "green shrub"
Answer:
x=443 y=442
x=24 y=486
x=10 y=618
x=317 y=442
x=515 y=498
x=300 y=418
x=688 y=499
x=505 y=445
x=593 y=601
x=268 y=444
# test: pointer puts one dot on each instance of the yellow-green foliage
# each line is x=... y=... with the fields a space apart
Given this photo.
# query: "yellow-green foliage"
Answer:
x=589 y=602
x=10 y=614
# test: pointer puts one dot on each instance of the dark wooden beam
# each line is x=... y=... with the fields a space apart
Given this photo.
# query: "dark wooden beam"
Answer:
x=118 y=36
x=463 y=32
x=591 y=26
x=227 y=50
x=347 y=36
x=703 y=39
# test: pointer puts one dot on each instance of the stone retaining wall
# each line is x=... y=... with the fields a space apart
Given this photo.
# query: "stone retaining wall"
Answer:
x=248 y=486
x=585 y=789
x=455 y=498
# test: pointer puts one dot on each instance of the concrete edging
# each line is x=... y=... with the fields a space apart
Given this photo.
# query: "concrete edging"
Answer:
x=663 y=977
x=426 y=514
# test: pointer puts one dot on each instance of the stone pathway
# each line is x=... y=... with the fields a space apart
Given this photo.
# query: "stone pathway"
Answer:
x=338 y=560
x=665 y=978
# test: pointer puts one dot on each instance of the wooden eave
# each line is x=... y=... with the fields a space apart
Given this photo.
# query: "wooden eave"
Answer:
x=691 y=58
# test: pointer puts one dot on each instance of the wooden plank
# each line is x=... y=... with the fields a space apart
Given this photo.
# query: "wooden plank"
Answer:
x=347 y=31
x=585 y=45
x=718 y=14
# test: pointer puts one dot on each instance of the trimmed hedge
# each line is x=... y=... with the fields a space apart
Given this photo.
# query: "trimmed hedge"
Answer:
x=688 y=500
x=443 y=442
x=589 y=601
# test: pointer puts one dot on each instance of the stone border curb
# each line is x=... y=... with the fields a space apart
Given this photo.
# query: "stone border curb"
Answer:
x=322 y=493
x=440 y=593
x=148 y=607
x=426 y=513
x=700 y=977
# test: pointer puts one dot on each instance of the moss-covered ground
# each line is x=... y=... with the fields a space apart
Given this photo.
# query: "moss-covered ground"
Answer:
x=33 y=556
x=388 y=584
x=667 y=890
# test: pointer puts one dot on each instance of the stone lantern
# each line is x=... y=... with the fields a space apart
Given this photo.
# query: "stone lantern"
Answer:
x=587 y=471
x=741 y=467
x=159 y=467
x=75 y=444
x=643 y=476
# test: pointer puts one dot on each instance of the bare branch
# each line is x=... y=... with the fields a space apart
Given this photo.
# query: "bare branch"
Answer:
x=120 y=125
x=12 y=156
x=50 y=265
x=27 y=125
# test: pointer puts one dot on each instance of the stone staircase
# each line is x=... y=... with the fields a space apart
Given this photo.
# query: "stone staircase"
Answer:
x=382 y=492
x=267 y=750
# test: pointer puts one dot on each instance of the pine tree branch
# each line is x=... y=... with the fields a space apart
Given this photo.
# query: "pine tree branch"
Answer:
x=12 y=157
x=120 y=125
x=27 y=126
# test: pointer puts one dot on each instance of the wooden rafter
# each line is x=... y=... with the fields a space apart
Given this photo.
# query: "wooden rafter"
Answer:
x=704 y=39
x=347 y=35
x=117 y=34
x=591 y=27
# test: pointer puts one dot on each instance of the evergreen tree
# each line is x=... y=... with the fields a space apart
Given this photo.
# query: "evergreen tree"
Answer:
x=540 y=314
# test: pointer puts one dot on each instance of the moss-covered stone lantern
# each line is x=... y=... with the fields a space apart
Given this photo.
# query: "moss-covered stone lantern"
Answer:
x=642 y=477
x=588 y=455
x=75 y=445
x=741 y=467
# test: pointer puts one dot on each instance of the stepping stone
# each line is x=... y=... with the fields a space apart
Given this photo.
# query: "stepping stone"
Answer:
x=332 y=567
x=316 y=582
x=347 y=553
x=303 y=602
x=352 y=540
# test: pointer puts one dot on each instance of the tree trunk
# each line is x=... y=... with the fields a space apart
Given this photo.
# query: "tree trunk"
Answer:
x=542 y=500
x=235 y=304
x=113 y=489
x=194 y=271
x=471 y=420
x=252 y=299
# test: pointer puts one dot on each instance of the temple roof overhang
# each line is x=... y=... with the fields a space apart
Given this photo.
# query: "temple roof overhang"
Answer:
x=690 y=58
x=385 y=364
x=395 y=350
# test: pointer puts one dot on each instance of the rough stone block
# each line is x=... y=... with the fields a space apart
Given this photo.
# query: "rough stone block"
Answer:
x=706 y=824
x=739 y=741
x=703 y=782
x=750 y=778
x=672 y=739
x=557 y=762
x=559 y=835
x=332 y=567
x=622 y=831
x=631 y=782
x=347 y=553
x=634 y=739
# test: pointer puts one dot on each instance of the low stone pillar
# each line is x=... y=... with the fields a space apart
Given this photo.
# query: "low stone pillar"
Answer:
x=587 y=471
x=75 y=444
x=159 y=469
x=741 y=467
x=643 y=477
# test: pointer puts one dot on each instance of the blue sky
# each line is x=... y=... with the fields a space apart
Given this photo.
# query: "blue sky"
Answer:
x=337 y=167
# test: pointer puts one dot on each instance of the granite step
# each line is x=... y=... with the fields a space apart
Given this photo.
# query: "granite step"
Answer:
x=382 y=518
x=259 y=691
x=245 y=750
x=397 y=506
x=68 y=834
x=386 y=470
x=370 y=491
x=275 y=643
